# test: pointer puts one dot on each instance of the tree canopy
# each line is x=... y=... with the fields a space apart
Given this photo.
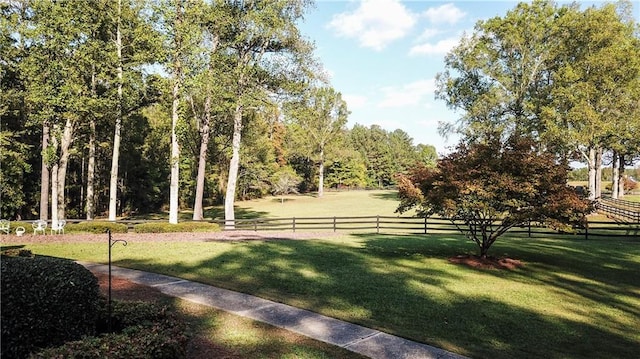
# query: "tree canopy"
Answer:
x=562 y=75
x=493 y=186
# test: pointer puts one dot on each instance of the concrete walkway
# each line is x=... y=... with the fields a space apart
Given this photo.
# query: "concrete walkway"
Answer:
x=358 y=339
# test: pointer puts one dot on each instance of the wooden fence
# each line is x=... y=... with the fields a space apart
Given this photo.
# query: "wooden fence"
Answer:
x=625 y=210
x=414 y=225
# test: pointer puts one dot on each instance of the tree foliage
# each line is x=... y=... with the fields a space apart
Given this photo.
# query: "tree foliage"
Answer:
x=565 y=76
x=494 y=186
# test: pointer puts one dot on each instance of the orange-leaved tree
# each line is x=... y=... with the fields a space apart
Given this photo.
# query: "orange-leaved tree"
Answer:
x=487 y=188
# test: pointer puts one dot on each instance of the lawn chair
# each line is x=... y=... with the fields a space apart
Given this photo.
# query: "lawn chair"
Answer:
x=39 y=226
x=58 y=228
x=5 y=226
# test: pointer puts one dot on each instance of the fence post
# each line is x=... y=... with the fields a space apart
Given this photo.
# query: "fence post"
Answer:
x=586 y=231
x=377 y=224
x=425 y=224
x=334 y=223
x=294 y=224
x=255 y=224
x=529 y=230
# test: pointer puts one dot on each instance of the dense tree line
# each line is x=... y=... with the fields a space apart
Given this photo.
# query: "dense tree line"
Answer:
x=111 y=108
x=568 y=77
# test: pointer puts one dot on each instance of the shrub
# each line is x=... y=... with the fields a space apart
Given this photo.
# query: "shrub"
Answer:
x=17 y=252
x=45 y=302
x=145 y=330
x=97 y=227
x=164 y=227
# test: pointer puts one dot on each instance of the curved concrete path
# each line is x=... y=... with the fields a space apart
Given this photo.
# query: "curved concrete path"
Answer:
x=356 y=338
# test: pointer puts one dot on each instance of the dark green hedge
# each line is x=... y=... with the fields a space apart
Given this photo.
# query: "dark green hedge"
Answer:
x=45 y=302
x=164 y=227
x=97 y=227
x=141 y=330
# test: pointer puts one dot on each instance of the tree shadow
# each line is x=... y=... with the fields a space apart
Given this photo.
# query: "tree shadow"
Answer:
x=424 y=305
x=387 y=195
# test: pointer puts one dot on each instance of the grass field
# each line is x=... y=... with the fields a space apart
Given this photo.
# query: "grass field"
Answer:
x=346 y=203
x=571 y=299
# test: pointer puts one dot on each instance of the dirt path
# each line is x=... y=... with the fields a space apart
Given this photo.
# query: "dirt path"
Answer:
x=164 y=237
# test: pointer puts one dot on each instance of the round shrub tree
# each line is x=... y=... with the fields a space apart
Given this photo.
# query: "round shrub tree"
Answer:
x=490 y=187
x=45 y=302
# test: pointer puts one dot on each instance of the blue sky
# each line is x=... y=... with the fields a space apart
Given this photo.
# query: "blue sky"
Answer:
x=383 y=56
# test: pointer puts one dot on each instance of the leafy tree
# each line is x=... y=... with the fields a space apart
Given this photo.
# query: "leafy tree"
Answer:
x=373 y=144
x=268 y=55
x=594 y=85
x=285 y=181
x=427 y=155
x=494 y=186
x=347 y=169
x=497 y=75
x=319 y=118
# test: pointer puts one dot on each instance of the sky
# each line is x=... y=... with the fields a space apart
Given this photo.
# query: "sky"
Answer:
x=383 y=57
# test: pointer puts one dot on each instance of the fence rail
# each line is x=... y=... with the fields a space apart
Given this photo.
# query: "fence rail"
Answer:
x=414 y=225
x=626 y=210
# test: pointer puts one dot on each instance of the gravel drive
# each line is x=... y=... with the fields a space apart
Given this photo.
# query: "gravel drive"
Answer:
x=165 y=237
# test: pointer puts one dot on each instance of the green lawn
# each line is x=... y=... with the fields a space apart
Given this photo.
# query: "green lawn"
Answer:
x=344 y=203
x=573 y=298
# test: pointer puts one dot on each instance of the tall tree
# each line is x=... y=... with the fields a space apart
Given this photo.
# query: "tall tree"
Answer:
x=57 y=92
x=594 y=74
x=267 y=52
x=320 y=116
x=497 y=75
x=133 y=43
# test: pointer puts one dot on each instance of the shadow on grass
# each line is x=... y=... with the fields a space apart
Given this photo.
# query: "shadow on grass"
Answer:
x=389 y=195
x=392 y=283
x=213 y=213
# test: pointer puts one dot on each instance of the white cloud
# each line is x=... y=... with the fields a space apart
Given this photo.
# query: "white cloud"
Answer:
x=355 y=101
x=408 y=95
x=439 y=48
x=444 y=14
x=375 y=23
x=428 y=34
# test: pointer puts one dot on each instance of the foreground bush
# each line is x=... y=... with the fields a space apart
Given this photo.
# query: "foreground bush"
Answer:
x=97 y=227
x=164 y=227
x=141 y=330
x=45 y=302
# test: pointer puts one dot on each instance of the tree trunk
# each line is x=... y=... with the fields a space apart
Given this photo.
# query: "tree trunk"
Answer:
x=202 y=163
x=615 y=176
x=321 y=174
x=204 y=142
x=234 y=164
x=54 y=180
x=591 y=165
x=174 y=186
x=44 y=178
x=91 y=166
x=54 y=195
x=599 y=173
x=175 y=158
x=621 y=176
x=67 y=138
x=115 y=158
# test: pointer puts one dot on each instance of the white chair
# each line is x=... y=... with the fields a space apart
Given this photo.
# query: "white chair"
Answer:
x=20 y=231
x=59 y=228
x=39 y=226
x=5 y=226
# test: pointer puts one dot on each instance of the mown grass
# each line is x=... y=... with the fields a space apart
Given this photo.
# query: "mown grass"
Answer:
x=573 y=298
x=343 y=203
x=227 y=335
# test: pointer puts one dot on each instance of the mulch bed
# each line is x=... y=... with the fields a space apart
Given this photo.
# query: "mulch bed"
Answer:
x=487 y=263
x=124 y=290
